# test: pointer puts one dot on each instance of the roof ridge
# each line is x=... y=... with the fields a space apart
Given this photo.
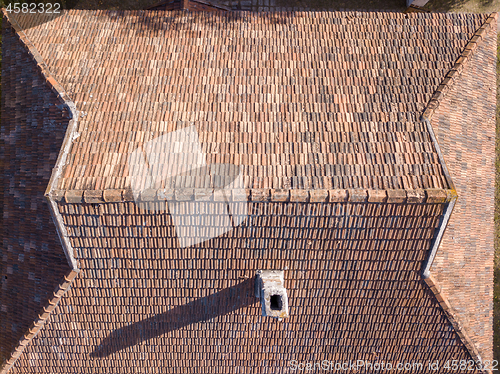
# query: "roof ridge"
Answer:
x=428 y=196
x=446 y=85
x=437 y=291
x=456 y=71
x=37 y=325
x=455 y=76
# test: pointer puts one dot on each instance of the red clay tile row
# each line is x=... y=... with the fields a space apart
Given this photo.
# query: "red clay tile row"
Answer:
x=239 y=85
x=366 y=297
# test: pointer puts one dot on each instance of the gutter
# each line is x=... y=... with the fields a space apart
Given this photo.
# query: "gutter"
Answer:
x=446 y=172
x=52 y=196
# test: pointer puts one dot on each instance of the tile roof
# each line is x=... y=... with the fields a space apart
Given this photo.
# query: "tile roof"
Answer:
x=464 y=123
x=124 y=296
x=32 y=261
x=353 y=280
x=297 y=100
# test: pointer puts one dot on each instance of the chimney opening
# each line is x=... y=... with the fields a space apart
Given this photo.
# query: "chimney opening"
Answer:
x=276 y=302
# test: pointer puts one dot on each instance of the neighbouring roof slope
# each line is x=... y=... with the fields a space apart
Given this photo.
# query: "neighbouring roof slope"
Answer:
x=32 y=261
x=464 y=123
x=302 y=100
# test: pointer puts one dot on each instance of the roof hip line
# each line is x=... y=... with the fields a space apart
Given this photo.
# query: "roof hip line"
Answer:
x=436 y=289
x=39 y=322
x=447 y=83
x=457 y=69
x=70 y=135
x=426 y=274
x=437 y=148
x=454 y=320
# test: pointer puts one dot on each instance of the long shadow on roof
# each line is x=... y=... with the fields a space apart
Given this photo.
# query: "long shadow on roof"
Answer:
x=217 y=304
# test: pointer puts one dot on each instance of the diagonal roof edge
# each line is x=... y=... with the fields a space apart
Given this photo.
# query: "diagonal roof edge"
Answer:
x=447 y=83
x=38 y=324
x=454 y=320
x=437 y=148
x=456 y=71
x=64 y=286
x=436 y=289
x=68 y=138
x=53 y=195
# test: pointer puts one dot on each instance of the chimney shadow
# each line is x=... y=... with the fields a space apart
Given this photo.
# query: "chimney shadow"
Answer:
x=220 y=303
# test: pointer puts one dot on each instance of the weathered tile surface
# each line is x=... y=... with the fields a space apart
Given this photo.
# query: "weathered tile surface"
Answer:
x=32 y=262
x=323 y=101
x=464 y=124
x=140 y=301
x=299 y=100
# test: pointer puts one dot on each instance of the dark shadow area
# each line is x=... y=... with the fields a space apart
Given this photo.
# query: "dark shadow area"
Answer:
x=485 y=3
x=245 y=5
x=357 y=5
x=276 y=302
x=110 y=4
x=156 y=23
x=27 y=14
x=33 y=125
x=217 y=304
x=496 y=310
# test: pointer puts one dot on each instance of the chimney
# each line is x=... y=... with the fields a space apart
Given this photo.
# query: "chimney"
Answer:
x=269 y=288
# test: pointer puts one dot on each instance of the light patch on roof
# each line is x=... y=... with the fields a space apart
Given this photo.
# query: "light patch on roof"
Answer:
x=176 y=163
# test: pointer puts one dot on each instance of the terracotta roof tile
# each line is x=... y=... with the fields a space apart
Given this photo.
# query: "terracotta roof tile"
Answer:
x=370 y=77
x=32 y=261
x=329 y=120
x=138 y=290
x=464 y=123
